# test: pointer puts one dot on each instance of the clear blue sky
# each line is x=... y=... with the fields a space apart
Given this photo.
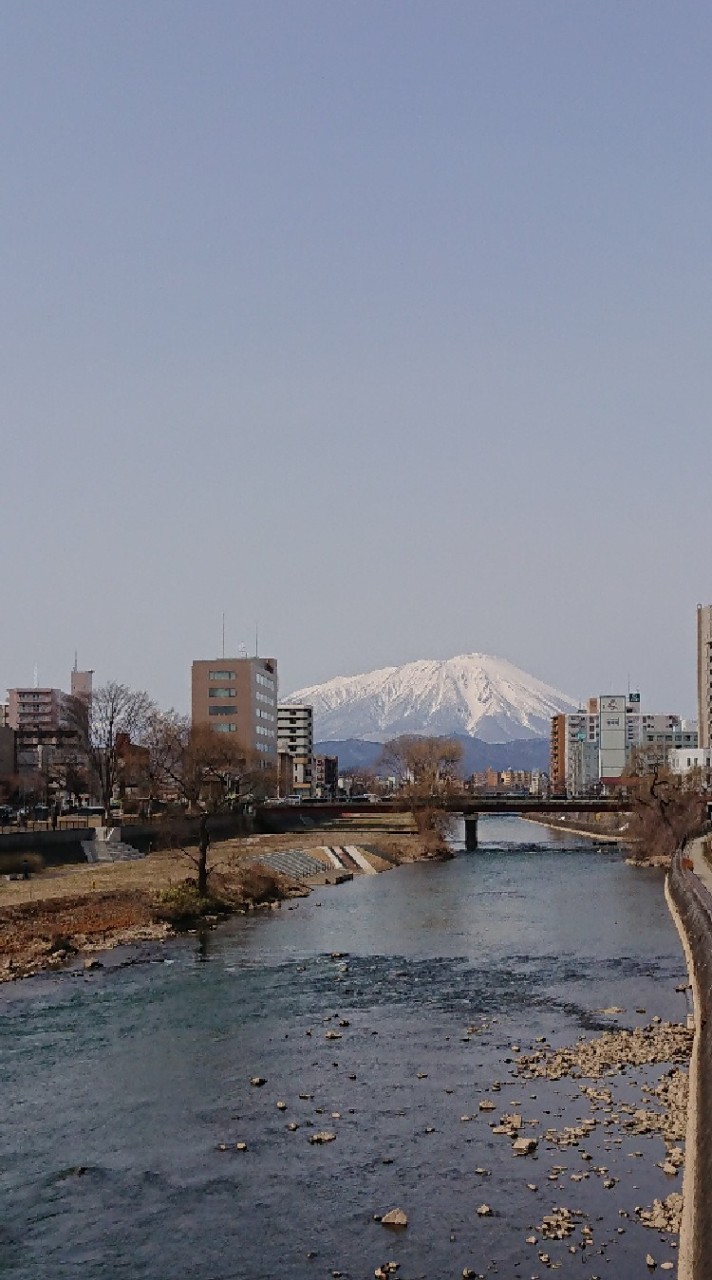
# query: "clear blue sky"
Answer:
x=388 y=325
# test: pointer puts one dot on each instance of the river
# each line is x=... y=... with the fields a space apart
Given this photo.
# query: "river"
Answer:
x=119 y=1085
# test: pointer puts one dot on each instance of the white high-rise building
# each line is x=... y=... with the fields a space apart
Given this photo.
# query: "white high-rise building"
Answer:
x=295 y=738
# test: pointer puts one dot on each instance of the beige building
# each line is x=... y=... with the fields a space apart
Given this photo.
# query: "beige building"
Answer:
x=238 y=696
x=704 y=675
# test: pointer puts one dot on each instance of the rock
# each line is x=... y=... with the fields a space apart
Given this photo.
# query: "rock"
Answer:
x=395 y=1218
x=650 y=1261
x=292 y=1126
x=484 y=1211
x=323 y=1135
x=241 y=1146
x=487 y=1105
x=464 y=1119
x=281 y=1106
x=258 y=1081
x=333 y=1035
x=91 y=963
x=524 y=1146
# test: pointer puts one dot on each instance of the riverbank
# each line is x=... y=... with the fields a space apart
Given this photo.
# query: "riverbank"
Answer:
x=75 y=911
x=603 y=827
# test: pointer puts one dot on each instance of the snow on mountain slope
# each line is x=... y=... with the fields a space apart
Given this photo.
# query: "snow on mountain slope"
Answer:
x=474 y=694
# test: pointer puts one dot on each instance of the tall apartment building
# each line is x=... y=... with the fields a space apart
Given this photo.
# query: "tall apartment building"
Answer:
x=295 y=738
x=704 y=675
x=47 y=730
x=325 y=778
x=238 y=696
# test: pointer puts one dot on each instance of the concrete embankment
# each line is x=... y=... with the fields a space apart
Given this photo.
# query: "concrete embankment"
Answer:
x=689 y=893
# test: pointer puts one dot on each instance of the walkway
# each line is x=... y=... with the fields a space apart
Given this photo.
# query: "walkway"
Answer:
x=700 y=865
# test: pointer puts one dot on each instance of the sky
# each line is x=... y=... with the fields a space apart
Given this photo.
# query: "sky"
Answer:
x=382 y=328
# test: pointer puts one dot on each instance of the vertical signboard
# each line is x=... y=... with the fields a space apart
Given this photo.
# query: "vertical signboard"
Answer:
x=612 y=735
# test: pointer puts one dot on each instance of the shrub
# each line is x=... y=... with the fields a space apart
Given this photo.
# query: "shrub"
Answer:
x=182 y=904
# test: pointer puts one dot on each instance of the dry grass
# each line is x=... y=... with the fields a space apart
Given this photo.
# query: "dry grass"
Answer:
x=64 y=909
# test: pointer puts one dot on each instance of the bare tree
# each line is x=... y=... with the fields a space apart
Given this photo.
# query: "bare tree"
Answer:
x=203 y=766
x=426 y=766
x=668 y=809
x=428 y=769
x=114 y=711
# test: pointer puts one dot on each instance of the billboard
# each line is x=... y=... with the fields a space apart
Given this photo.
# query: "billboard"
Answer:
x=612 y=735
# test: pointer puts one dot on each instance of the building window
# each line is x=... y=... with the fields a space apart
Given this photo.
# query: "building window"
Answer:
x=221 y=675
x=222 y=693
x=221 y=711
x=225 y=728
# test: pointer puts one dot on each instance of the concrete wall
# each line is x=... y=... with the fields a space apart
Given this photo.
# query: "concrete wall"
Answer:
x=55 y=847
x=692 y=907
x=58 y=848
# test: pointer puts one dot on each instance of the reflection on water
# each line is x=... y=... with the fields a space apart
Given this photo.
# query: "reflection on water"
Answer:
x=119 y=1085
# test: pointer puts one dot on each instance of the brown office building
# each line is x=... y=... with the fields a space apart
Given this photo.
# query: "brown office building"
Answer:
x=238 y=696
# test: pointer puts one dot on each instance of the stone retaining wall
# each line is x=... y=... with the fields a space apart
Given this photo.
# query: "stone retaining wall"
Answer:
x=691 y=904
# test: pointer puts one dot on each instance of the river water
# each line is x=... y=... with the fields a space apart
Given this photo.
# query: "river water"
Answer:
x=117 y=1086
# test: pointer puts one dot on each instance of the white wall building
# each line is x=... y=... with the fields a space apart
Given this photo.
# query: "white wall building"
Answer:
x=685 y=759
x=295 y=737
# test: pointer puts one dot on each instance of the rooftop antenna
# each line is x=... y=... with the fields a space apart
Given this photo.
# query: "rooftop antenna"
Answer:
x=223 y=634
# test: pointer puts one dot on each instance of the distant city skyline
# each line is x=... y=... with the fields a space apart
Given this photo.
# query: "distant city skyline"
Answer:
x=383 y=327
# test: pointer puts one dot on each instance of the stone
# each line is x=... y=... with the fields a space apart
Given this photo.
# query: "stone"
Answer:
x=395 y=1218
x=258 y=1081
x=323 y=1135
x=241 y=1146
x=524 y=1146
x=91 y=963
x=484 y=1211
x=487 y=1105
x=292 y=1126
x=333 y=1035
x=281 y=1106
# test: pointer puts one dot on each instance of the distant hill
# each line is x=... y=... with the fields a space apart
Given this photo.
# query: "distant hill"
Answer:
x=522 y=753
x=474 y=694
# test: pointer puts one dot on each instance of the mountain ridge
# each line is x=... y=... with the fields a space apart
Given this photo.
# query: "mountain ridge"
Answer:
x=520 y=753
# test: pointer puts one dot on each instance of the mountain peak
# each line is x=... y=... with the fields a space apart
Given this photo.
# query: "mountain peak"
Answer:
x=473 y=693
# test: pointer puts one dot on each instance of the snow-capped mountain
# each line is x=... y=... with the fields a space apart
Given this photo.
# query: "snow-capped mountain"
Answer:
x=474 y=694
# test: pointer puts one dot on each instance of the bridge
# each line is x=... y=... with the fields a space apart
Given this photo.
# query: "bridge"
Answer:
x=470 y=806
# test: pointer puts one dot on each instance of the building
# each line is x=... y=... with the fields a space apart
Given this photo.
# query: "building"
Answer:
x=685 y=759
x=704 y=675
x=7 y=754
x=325 y=777
x=597 y=745
x=49 y=734
x=295 y=738
x=238 y=696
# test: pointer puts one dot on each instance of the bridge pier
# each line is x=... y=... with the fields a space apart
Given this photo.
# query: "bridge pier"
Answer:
x=471 y=832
